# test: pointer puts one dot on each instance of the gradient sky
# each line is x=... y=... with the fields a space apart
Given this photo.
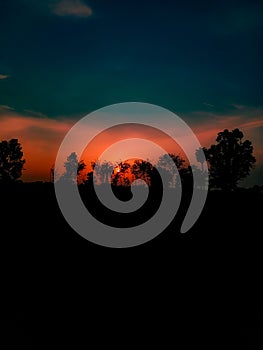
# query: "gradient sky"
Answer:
x=60 y=60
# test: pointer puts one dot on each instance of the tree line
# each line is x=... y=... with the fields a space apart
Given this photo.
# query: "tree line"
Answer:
x=229 y=160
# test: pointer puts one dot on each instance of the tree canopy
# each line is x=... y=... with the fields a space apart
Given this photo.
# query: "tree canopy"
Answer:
x=73 y=168
x=230 y=159
x=11 y=162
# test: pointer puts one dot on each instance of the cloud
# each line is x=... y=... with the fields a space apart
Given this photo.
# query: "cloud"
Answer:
x=35 y=114
x=6 y=108
x=208 y=104
x=3 y=76
x=71 y=8
x=252 y=124
x=40 y=139
x=238 y=106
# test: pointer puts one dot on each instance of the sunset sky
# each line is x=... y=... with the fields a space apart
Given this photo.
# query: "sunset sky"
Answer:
x=60 y=60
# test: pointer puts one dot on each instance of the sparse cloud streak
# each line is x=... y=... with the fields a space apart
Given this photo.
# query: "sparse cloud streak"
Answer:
x=6 y=108
x=208 y=104
x=39 y=137
x=3 y=76
x=76 y=8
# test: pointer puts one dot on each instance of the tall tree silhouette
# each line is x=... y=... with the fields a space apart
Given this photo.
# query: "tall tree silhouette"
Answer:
x=142 y=169
x=73 y=168
x=122 y=177
x=103 y=169
x=230 y=160
x=200 y=157
x=126 y=172
x=164 y=163
x=11 y=162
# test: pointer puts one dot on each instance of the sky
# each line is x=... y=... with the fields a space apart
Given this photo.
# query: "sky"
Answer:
x=62 y=59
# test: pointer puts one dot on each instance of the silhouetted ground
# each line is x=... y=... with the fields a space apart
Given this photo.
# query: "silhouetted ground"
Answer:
x=202 y=288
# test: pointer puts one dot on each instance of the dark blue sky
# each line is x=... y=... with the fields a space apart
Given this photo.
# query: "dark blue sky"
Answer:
x=183 y=55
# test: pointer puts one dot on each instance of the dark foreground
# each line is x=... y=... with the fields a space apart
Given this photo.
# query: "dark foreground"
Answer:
x=199 y=289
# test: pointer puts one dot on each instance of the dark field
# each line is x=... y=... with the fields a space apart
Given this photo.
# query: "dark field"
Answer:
x=202 y=287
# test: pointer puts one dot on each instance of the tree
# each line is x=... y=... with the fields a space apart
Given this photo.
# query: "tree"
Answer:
x=104 y=170
x=144 y=170
x=122 y=175
x=127 y=172
x=200 y=157
x=230 y=160
x=164 y=163
x=11 y=162
x=73 y=168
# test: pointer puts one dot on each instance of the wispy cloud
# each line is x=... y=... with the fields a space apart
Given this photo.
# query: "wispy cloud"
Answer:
x=238 y=106
x=35 y=113
x=75 y=8
x=208 y=104
x=3 y=76
x=252 y=124
x=6 y=108
x=39 y=137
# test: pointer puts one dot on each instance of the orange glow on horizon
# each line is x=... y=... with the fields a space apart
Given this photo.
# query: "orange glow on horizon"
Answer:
x=121 y=132
x=40 y=138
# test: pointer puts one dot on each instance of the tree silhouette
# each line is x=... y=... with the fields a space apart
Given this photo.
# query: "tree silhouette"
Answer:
x=73 y=168
x=11 y=162
x=200 y=157
x=122 y=177
x=103 y=169
x=164 y=163
x=142 y=169
x=230 y=160
x=126 y=172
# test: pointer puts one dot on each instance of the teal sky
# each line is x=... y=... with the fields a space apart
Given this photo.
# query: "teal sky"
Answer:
x=184 y=55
